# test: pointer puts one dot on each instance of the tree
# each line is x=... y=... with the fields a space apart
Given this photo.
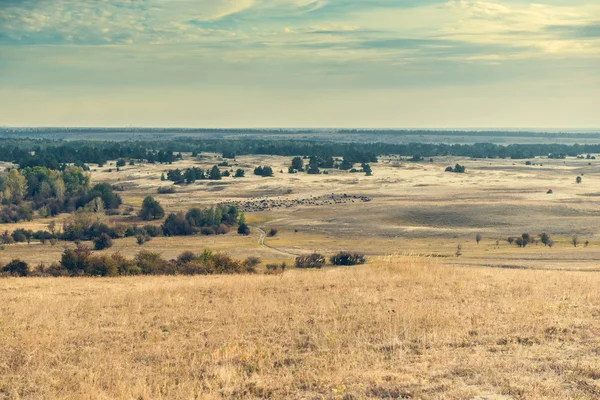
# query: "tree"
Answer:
x=367 y=169
x=17 y=268
x=240 y=173
x=478 y=238
x=578 y=180
x=15 y=186
x=243 y=229
x=102 y=242
x=545 y=239
x=151 y=209
x=574 y=240
x=313 y=169
x=526 y=239
x=298 y=164
x=121 y=163
x=215 y=173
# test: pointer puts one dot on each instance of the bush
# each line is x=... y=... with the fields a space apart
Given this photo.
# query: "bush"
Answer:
x=275 y=269
x=223 y=229
x=21 y=235
x=314 y=260
x=346 y=258
x=102 y=242
x=152 y=230
x=101 y=266
x=252 y=261
x=243 y=229
x=143 y=238
x=152 y=263
x=16 y=268
x=166 y=190
x=273 y=232
x=207 y=230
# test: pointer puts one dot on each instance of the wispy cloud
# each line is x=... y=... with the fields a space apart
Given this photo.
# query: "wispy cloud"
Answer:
x=296 y=44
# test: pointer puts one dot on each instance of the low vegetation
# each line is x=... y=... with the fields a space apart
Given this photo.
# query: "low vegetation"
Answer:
x=398 y=328
x=80 y=261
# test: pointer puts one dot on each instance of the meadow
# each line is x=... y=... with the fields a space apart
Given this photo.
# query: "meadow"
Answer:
x=400 y=327
x=491 y=321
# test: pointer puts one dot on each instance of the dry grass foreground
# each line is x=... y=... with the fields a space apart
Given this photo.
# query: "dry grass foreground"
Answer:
x=401 y=327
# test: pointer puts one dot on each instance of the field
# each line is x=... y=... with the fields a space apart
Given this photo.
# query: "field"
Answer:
x=497 y=322
x=414 y=207
x=401 y=327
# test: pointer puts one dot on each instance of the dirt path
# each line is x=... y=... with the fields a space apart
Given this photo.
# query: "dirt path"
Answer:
x=261 y=242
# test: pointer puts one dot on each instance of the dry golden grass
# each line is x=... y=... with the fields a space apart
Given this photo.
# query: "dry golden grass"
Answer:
x=401 y=327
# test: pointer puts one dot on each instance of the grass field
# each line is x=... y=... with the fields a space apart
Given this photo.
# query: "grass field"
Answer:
x=415 y=207
x=400 y=327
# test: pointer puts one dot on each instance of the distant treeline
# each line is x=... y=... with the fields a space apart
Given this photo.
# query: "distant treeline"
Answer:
x=54 y=154
x=41 y=131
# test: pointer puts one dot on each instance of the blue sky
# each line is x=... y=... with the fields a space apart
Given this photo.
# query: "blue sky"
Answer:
x=300 y=63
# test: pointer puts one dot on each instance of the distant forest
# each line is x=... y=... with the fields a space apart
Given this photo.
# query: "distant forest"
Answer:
x=54 y=154
x=68 y=131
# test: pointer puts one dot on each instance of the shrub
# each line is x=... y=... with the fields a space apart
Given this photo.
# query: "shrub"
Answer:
x=314 y=260
x=223 y=229
x=545 y=238
x=346 y=258
x=275 y=269
x=459 y=169
x=478 y=238
x=142 y=238
x=16 y=268
x=166 y=190
x=102 y=242
x=75 y=260
x=207 y=230
x=101 y=266
x=151 y=263
x=265 y=171
x=21 y=235
x=252 y=261
x=152 y=230
x=243 y=229
x=273 y=232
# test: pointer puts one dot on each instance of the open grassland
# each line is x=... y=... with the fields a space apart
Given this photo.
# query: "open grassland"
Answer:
x=415 y=207
x=400 y=327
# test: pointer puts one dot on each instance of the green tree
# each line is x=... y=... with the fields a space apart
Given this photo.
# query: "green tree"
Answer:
x=151 y=209
x=215 y=173
x=243 y=229
x=17 y=268
x=15 y=186
x=102 y=242
x=298 y=164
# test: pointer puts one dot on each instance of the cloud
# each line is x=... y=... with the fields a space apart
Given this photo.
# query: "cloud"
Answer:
x=74 y=47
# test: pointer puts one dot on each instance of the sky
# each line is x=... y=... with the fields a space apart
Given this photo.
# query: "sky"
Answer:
x=300 y=63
